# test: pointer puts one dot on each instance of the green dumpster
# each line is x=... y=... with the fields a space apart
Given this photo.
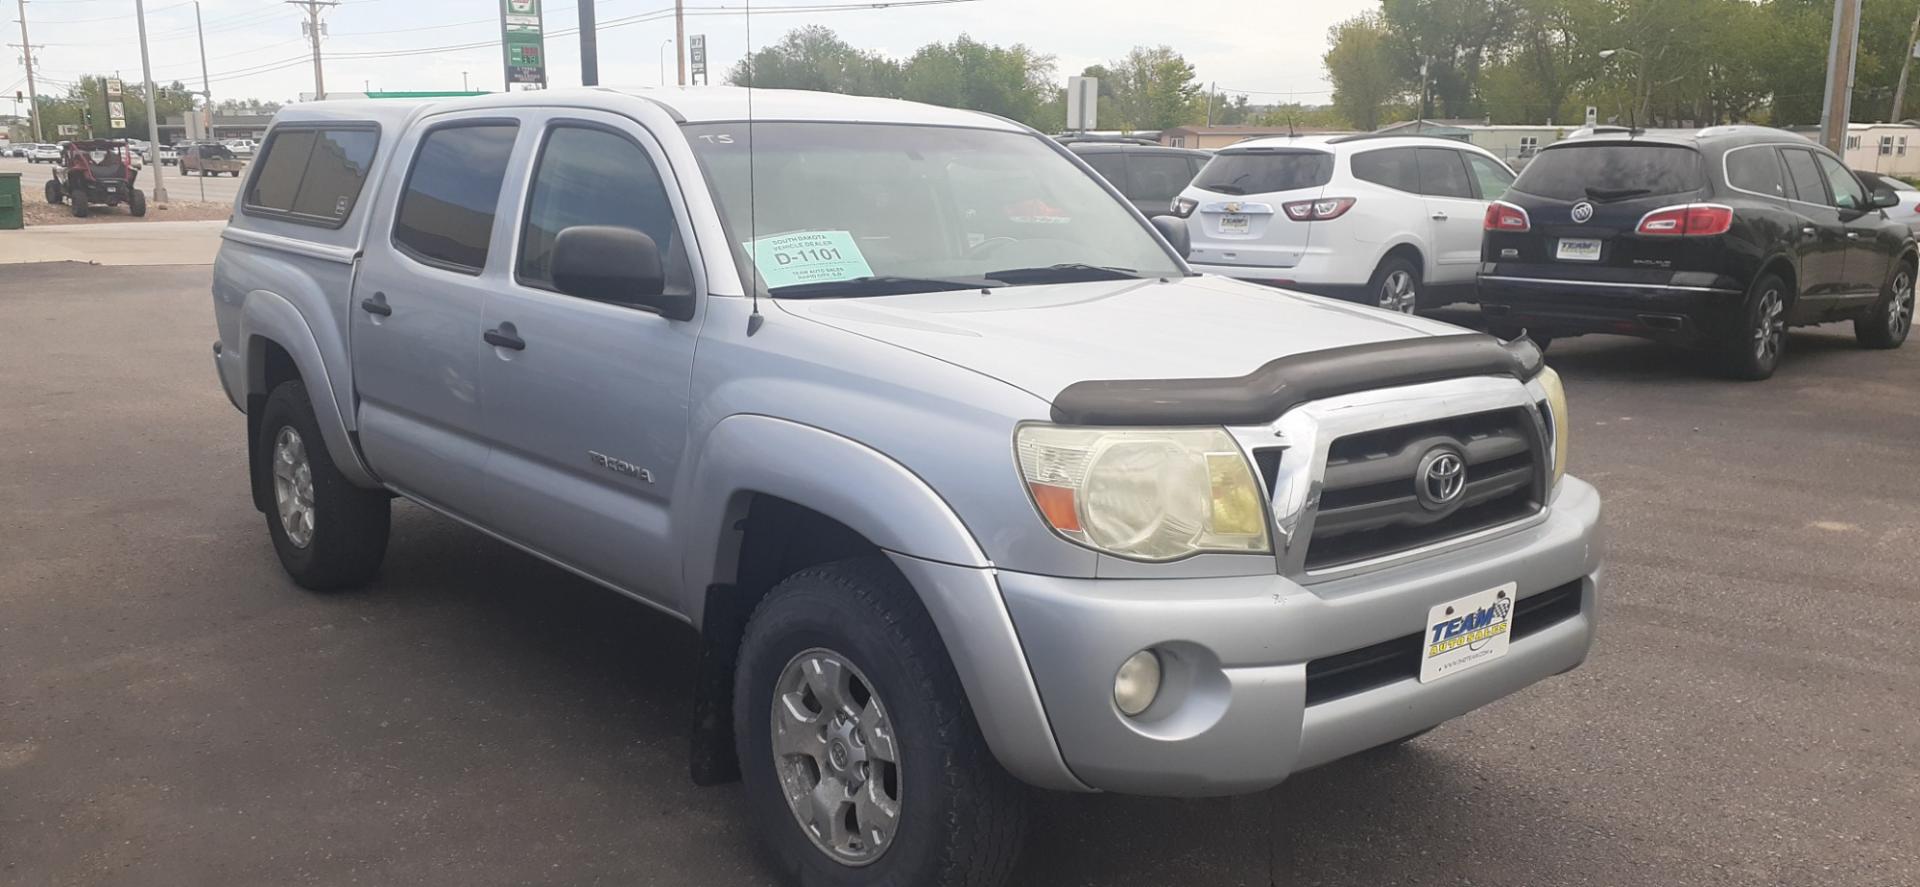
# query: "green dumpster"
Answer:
x=12 y=214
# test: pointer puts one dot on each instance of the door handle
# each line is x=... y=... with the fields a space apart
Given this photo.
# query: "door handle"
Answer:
x=377 y=305
x=504 y=338
x=1439 y=217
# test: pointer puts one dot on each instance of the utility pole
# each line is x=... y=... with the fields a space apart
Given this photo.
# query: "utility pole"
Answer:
x=33 y=95
x=589 y=45
x=679 y=38
x=1906 y=64
x=153 y=116
x=206 y=82
x=1211 y=89
x=1841 y=56
x=313 y=8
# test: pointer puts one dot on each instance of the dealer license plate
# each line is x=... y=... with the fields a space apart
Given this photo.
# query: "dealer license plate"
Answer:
x=1463 y=633
x=1578 y=250
x=1235 y=224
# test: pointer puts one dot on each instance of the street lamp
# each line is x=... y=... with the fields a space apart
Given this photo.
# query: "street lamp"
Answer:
x=663 y=59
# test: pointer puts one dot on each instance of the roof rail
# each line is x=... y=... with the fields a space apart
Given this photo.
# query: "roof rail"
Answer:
x=1366 y=136
x=1070 y=139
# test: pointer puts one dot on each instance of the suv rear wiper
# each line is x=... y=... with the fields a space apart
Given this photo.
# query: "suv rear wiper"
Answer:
x=1065 y=272
x=1617 y=193
x=886 y=285
x=1222 y=189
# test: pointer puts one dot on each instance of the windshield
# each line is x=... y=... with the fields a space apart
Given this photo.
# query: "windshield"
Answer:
x=849 y=209
x=1263 y=171
x=1612 y=172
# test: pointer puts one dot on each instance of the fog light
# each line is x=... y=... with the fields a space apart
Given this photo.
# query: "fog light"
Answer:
x=1137 y=683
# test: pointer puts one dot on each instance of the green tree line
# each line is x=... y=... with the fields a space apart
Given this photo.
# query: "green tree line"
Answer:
x=85 y=106
x=1653 y=62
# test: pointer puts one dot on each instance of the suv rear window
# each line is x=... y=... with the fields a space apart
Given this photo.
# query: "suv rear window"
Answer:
x=1618 y=172
x=308 y=175
x=1259 y=171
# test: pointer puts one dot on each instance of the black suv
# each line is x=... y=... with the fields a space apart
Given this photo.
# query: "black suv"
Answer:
x=1150 y=175
x=1720 y=238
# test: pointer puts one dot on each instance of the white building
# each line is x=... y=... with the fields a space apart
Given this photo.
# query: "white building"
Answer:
x=1513 y=143
x=1890 y=148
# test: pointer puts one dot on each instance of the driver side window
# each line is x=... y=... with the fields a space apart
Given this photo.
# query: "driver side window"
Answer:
x=1847 y=193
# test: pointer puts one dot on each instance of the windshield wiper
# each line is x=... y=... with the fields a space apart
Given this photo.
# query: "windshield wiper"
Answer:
x=885 y=285
x=1617 y=193
x=1222 y=189
x=1065 y=272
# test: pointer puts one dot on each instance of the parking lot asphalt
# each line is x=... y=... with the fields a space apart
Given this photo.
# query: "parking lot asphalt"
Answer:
x=173 y=711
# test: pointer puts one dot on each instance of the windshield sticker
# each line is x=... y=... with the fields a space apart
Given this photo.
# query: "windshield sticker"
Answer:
x=808 y=257
x=1034 y=211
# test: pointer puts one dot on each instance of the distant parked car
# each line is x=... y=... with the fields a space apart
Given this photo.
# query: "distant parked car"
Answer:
x=240 y=147
x=1389 y=221
x=169 y=155
x=1150 y=175
x=209 y=160
x=1721 y=239
x=44 y=154
x=1909 y=209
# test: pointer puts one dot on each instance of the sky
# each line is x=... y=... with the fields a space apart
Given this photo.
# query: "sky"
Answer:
x=1269 y=49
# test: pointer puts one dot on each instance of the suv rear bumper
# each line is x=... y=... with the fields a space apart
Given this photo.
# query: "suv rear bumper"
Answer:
x=1681 y=314
x=1233 y=715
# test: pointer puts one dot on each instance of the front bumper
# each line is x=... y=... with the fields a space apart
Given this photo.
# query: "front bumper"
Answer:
x=1233 y=714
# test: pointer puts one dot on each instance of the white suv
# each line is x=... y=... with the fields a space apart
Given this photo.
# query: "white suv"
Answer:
x=1392 y=221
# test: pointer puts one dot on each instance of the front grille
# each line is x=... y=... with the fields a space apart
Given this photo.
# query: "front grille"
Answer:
x=1370 y=500
x=1357 y=671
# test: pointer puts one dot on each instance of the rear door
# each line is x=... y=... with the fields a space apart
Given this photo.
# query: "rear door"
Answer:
x=1241 y=194
x=1822 y=242
x=1457 y=216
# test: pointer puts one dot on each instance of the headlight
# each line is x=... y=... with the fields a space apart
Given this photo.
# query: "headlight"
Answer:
x=1556 y=420
x=1149 y=494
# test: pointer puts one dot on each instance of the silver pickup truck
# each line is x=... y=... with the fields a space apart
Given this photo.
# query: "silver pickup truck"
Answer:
x=963 y=477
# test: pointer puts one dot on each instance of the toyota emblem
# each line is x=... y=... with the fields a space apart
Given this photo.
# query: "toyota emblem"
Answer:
x=1583 y=212
x=1441 y=478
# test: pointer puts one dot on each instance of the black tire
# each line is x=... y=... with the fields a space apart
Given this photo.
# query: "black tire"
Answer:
x=137 y=204
x=1888 y=324
x=1753 y=348
x=1385 y=291
x=349 y=523
x=78 y=200
x=961 y=817
x=54 y=195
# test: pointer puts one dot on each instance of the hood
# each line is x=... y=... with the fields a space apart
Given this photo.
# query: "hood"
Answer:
x=1043 y=338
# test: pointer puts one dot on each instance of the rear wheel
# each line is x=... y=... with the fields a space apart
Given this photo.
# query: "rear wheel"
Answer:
x=862 y=760
x=329 y=533
x=1753 y=350
x=53 y=192
x=1395 y=286
x=1887 y=325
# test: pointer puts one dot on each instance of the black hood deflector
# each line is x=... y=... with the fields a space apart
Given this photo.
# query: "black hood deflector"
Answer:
x=1264 y=394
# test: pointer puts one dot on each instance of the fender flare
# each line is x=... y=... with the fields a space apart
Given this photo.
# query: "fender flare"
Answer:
x=267 y=316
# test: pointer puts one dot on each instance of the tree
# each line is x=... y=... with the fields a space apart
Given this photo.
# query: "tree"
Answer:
x=813 y=57
x=1363 y=69
x=1153 y=88
x=85 y=106
x=1442 y=45
x=1013 y=81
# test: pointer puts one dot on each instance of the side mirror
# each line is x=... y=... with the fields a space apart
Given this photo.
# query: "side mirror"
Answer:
x=1174 y=229
x=1884 y=197
x=620 y=266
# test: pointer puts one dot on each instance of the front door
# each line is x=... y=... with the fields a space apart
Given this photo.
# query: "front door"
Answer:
x=588 y=414
x=416 y=310
x=1868 y=258
x=1457 y=216
x=1821 y=242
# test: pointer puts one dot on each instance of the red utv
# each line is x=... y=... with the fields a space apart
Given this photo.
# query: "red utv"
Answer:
x=96 y=171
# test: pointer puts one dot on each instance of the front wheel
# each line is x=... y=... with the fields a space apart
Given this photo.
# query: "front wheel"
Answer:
x=78 y=200
x=1887 y=325
x=137 y=204
x=329 y=533
x=54 y=196
x=862 y=761
x=1395 y=286
x=1753 y=350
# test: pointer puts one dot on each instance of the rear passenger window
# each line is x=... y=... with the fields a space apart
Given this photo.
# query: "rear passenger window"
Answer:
x=1443 y=174
x=593 y=177
x=1396 y=168
x=309 y=175
x=1805 y=175
x=1756 y=170
x=446 y=213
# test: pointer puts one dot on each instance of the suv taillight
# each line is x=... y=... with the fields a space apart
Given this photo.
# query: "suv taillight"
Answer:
x=1503 y=216
x=1322 y=210
x=1183 y=206
x=1687 y=220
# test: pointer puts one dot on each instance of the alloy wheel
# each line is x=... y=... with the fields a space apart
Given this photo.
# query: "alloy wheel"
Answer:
x=838 y=760
x=1770 y=329
x=293 y=487
x=1398 y=292
x=1900 y=312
